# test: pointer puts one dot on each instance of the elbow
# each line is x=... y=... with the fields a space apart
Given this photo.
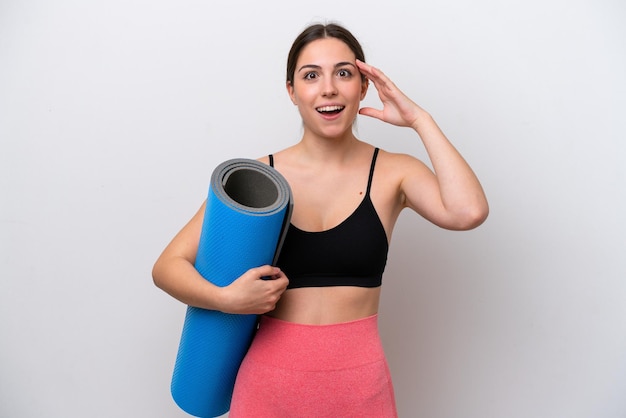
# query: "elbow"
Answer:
x=474 y=217
x=156 y=275
x=478 y=218
x=470 y=217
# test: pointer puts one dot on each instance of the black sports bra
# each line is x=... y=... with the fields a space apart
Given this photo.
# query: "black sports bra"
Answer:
x=353 y=253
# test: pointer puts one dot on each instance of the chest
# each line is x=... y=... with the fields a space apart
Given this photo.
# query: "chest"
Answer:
x=324 y=201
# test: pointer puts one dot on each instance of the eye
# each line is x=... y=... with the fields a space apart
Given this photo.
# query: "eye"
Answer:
x=344 y=73
x=311 y=75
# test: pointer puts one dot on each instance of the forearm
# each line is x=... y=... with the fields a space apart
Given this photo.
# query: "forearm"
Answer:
x=178 y=277
x=461 y=192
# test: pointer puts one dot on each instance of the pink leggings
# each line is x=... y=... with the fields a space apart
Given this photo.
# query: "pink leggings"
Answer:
x=296 y=370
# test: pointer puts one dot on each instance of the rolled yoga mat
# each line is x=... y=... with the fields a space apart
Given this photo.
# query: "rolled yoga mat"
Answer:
x=247 y=213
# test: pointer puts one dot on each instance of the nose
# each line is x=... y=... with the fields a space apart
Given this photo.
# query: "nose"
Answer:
x=328 y=88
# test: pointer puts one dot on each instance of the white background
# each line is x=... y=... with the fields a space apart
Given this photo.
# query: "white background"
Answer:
x=113 y=115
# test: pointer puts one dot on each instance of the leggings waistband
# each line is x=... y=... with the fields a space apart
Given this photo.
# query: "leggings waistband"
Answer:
x=296 y=346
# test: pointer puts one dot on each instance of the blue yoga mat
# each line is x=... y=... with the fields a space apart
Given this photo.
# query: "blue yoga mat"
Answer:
x=247 y=210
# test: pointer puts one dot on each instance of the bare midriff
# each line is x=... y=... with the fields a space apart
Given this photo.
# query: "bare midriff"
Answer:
x=327 y=305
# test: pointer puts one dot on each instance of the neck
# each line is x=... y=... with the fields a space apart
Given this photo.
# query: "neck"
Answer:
x=328 y=150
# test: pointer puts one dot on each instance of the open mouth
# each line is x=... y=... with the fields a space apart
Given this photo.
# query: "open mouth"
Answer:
x=330 y=110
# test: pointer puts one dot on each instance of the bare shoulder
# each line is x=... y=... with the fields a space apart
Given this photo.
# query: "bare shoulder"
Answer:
x=281 y=155
x=401 y=176
x=400 y=165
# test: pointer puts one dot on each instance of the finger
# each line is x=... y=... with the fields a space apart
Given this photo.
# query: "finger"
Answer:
x=369 y=72
x=265 y=272
x=371 y=112
x=267 y=269
x=373 y=73
x=365 y=68
x=280 y=281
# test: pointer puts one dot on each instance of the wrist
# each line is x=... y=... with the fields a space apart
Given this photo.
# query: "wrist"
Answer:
x=422 y=118
x=225 y=300
x=219 y=299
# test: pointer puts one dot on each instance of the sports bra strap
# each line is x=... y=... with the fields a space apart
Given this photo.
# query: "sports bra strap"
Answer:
x=369 y=180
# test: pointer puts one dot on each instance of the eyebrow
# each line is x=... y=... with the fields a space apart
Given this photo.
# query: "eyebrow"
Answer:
x=317 y=67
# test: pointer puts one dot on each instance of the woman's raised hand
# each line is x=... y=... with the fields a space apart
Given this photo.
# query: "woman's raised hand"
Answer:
x=397 y=109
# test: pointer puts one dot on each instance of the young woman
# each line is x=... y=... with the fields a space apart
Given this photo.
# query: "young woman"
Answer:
x=317 y=351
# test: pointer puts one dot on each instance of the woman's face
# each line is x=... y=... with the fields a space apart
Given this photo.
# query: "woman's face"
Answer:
x=327 y=87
